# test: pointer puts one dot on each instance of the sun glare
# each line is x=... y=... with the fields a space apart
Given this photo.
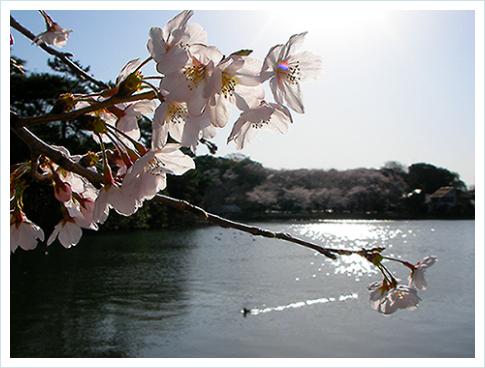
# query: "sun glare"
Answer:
x=339 y=22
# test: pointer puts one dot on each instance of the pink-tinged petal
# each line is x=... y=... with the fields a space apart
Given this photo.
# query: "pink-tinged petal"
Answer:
x=427 y=262
x=176 y=130
x=309 y=63
x=144 y=107
x=197 y=102
x=192 y=130
x=205 y=54
x=293 y=44
x=54 y=234
x=249 y=73
x=387 y=306
x=173 y=60
x=280 y=119
x=29 y=234
x=70 y=234
x=177 y=86
x=159 y=134
x=417 y=278
x=162 y=124
x=177 y=22
x=248 y=97
x=14 y=238
x=174 y=162
x=127 y=69
x=194 y=33
x=276 y=88
x=241 y=133
x=218 y=113
x=264 y=76
x=271 y=60
x=156 y=43
x=63 y=192
x=292 y=95
x=101 y=207
x=122 y=202
x=149 y=185
x=209 y=132
x=128 y=124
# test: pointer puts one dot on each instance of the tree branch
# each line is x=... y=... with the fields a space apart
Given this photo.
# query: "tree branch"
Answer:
x=30 y=121
x=64 y=57
x=39 y=146
x=223 y=222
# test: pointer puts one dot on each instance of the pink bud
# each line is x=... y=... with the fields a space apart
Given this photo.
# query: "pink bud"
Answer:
x=62 y=191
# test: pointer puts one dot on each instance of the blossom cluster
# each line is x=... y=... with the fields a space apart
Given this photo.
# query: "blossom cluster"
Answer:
x=387 y=296
x=198 y=85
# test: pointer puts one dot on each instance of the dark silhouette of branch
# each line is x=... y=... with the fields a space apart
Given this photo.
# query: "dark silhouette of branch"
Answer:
x=63 y=56
x=30 y=121
x=40 y=147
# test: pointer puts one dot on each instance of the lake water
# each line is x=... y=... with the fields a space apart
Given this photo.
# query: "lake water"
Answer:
x=180 y=293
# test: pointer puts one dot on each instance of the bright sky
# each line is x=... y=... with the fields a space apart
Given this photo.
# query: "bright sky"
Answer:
x=396 y=85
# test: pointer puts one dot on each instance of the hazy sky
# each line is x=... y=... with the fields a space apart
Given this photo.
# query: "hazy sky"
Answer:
x=395 y=85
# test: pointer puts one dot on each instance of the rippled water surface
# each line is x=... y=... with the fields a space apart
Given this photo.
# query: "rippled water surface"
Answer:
x=180 y=294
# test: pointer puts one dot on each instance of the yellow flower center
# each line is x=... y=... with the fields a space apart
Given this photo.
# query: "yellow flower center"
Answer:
x=195 y=73
x=176 y=113
x=228 y=85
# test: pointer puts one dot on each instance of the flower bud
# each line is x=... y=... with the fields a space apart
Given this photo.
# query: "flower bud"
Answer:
x=62 y=191
x=130 y=85
x=65 y=102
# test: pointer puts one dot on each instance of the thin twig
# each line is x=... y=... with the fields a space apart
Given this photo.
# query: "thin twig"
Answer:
x=64 y=57
x=30 y=121
x=223 y=222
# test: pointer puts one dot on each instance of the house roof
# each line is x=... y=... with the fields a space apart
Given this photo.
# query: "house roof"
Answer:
x=442 y=192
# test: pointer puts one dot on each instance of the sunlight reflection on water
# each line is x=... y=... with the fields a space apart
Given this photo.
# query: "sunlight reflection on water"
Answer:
x=341 y=298
x=352 y=234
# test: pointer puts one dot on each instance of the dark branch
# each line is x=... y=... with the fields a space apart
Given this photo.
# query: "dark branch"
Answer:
x=40 y=147
x=28 y=122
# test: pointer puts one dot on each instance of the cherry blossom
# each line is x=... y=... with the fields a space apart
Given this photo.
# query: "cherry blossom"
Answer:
x=387 y=298
x=416 y=277
x=235 y=80
x=23 y=232
x=194 y=82
x=54 y=35
x=173 y=118
x=167 y=45
x=285 y=69
x=377 y=291
x=128 y=114
x=68 y=232
x=142 y=181
x=266 y=116
x=62 y=191
x=111 y=196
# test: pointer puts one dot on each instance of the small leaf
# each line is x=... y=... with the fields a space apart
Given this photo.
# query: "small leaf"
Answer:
x=243 y=52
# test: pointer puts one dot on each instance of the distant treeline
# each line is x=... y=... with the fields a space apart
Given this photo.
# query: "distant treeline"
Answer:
x=244 y=189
